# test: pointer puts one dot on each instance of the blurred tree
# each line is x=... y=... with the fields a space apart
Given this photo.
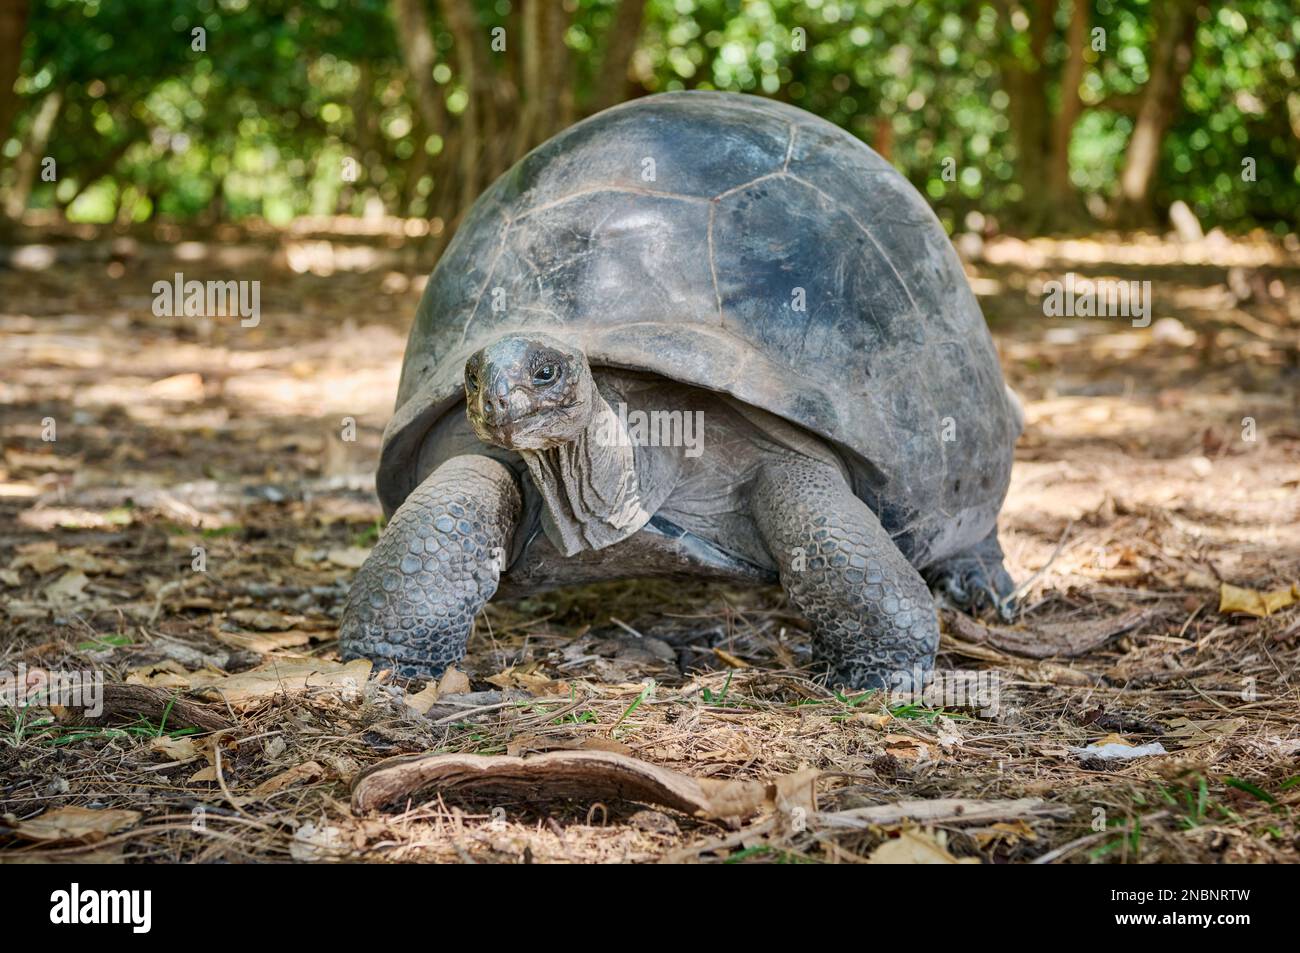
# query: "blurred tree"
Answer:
x=1172 y=50
x=1034 y=113
x=13 y=27
x=610 y=85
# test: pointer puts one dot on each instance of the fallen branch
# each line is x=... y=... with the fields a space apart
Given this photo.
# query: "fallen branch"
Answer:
x=1047 y=639
x=122 y=702
x=579 y=775
x=941 y=811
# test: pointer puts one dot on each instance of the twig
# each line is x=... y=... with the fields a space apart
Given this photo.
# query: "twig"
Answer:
x=476 y=711
x=1025 y=586
x=942 y=811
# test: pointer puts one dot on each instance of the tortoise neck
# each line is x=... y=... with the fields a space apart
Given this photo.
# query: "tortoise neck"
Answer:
x=589 y=485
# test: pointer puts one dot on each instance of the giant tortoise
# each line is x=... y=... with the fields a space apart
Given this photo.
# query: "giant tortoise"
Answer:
x=698 y=334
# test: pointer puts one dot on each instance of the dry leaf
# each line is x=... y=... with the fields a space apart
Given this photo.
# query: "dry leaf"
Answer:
x=907 y=748
x=873 y=719
x=917 y=847
x=307 y=771
x=1188 y=733
x=527 y=678
x=68 y=587
x=289 y=675
x=1113 y=739
x=1253 y=602
x=453 y=682
x=422 y=701
x=264 y=643
x=307 y=557
x=167 y=673
x=76 y=824
x=266 y=621
x=175 y=749
x=37 y=546
x=1012 y=832
x=44 y=561
x=349 y=558
x=186 y=387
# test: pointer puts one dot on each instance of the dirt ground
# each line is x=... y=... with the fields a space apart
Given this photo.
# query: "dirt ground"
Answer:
x=1158 y=464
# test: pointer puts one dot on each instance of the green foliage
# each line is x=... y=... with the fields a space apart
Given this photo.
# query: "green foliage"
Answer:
x=289 y=94
x=1242 y=101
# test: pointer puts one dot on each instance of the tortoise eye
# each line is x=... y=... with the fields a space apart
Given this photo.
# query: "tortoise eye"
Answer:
x=546 y=375
x=471 y=383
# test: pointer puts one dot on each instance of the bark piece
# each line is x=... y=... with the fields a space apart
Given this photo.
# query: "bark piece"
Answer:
x=581 y=775
x=1047 y=639
x=122 y=702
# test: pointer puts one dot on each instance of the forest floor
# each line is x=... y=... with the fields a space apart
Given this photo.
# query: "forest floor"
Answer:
x=1157 y=465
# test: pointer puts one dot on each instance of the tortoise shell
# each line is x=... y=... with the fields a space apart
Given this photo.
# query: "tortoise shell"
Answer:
x=747 y=247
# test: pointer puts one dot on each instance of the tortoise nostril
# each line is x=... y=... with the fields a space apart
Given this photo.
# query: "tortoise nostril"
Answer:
x=495 y=400
x=494 y=408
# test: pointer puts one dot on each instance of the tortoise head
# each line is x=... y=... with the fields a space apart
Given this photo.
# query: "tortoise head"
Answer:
x=529 y=392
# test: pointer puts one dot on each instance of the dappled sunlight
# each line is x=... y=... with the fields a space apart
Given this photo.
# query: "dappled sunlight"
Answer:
x=219 y=220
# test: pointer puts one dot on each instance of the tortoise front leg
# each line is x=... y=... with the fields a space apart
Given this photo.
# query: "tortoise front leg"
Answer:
x=414 y=600
x=874 y=623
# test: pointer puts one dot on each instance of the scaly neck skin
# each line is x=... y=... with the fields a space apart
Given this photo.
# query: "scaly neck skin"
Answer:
x=589 y=485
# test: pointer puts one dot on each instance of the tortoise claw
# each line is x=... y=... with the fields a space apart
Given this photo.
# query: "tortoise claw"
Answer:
x=976 y=583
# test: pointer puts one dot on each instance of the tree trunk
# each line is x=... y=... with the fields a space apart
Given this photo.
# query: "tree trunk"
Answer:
x=418 y=53
x=1076 y=40
x=610 y=82
x=476 y=122
x=13 y=28
x=365 y=125
x=1171 y=58
x=546 y=89
x=557 y=99
x=29 y=160
x=531 y=75
x=414 y=168
x=883 y=139
x=1030 y=121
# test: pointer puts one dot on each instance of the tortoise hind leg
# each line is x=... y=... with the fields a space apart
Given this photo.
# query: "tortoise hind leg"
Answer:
x=976 y=581
x=414 y=600
x=874 y=623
